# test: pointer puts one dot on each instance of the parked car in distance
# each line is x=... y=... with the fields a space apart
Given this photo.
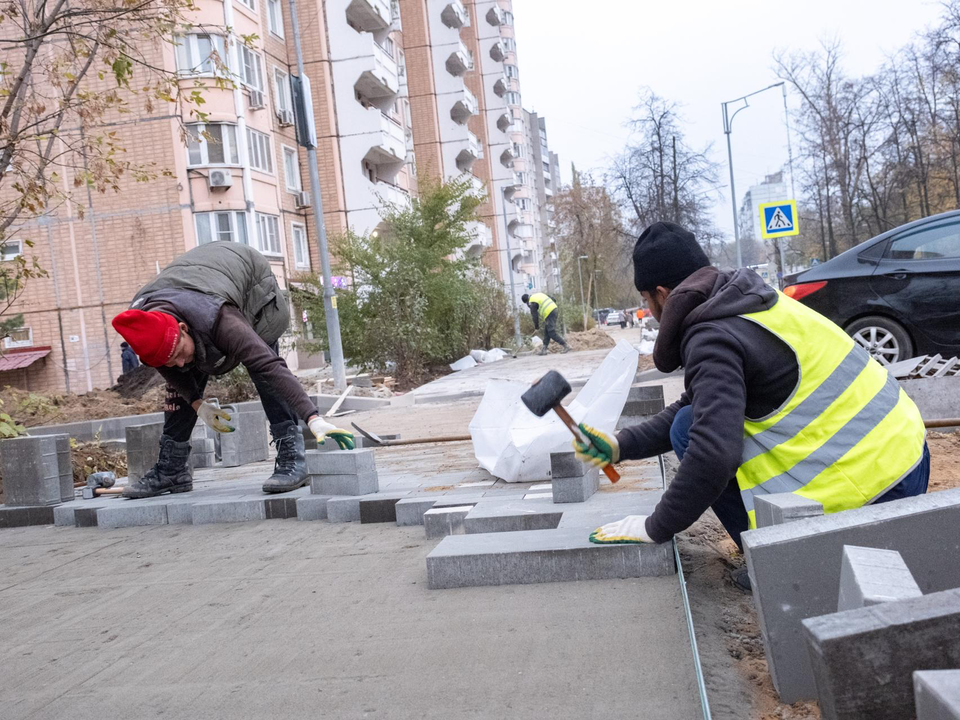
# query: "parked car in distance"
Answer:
x=897 y=294
x=600 y=315
x=614 y=317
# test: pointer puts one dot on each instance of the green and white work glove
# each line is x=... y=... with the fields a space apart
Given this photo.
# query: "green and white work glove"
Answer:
x=214 y=417
x=632 y=529
x=604 y=451
x=321 y=430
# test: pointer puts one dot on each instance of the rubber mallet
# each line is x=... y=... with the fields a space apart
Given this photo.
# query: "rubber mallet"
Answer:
x=545 y=395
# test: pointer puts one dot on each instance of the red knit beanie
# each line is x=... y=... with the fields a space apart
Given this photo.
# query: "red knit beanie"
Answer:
x=152 y=335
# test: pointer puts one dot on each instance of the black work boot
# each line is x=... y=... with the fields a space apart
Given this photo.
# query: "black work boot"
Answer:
x=290 y=468
x=170 y=475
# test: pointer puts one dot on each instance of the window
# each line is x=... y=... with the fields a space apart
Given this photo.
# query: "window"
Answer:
x=261 y=155
x=507 y=17
x=517 y=150
x=523 y=203
x=281 y=88
x=251 y=69
x=509 y=44
x=21 y=337
x=301 y=254
x=275 y=17
x=212 y=144
x=291 y=169
x=546 y=167
x=513 y=98
x=268 y=234
x=228 y=226
x=521 y=178
x=249 y=4
x=11 y=250
x=511 y=70
x=927 y=244
x=195 y=53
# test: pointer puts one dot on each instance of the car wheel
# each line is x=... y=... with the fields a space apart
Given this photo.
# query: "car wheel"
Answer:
x=885 y=339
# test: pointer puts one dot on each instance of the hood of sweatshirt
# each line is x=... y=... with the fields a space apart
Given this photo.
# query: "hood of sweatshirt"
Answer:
x=708 y=294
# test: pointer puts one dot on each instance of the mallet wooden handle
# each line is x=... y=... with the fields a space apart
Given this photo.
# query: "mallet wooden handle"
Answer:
x=608 y=470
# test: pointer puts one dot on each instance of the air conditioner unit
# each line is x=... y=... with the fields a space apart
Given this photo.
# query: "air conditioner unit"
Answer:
x=256 y=99
x=286 y=117
x=220 y=179
x=303 y=200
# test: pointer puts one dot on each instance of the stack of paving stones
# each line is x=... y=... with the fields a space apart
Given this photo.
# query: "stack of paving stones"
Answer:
x=851 y=604
x=573 y=480
x=37 y=476
x=338 y=479
x=143 y=448
x=250 y=440
x=203 y=447
x=643 y=401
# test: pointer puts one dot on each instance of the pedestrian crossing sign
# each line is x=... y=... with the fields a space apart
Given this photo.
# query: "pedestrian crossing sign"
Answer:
x=779 y=219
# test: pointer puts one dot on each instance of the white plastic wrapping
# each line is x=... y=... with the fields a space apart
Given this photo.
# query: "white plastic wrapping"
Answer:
x=512 y=443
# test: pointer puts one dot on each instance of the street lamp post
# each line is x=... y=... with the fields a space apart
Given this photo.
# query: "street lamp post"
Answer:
x=583 y=305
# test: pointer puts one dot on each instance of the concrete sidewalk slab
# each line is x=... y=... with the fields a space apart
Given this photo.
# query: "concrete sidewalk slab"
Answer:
x=937 y=693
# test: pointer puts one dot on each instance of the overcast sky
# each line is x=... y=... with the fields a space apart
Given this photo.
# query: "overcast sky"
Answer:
x=583 y=63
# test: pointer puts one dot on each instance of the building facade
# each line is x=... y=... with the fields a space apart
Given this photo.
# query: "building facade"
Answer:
x=772 y=189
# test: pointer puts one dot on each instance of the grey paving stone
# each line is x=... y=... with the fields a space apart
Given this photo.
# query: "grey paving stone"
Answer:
x=780 y=508
x=65 y=515
x=312 y=507
x=249 y=443
x=343 y=509
x=130 y=513
x=143 y=448
x=512 y=516
x=566 y=465
x=31 y=471
x=229 y=511
x=380 y=508
x=340 y=462
x=364 y=483
x=869 y=576
x=539 y=556
x=22 y=516
x=795 y=570
x=439 y=522
x=280 y=507
x=576 y=489
x=863 y=660
x=937 y=694
x=180 y=513
x=410 y=510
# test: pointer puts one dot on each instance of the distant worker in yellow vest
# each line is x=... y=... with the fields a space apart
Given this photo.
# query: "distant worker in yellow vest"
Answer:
x=544 y=309
x=777 y=399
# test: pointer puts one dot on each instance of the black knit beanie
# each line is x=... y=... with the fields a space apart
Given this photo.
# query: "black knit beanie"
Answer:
x=666 y=254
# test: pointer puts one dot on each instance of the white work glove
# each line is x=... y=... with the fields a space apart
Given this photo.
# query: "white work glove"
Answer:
x=603 y=451
x=321 y=429
x=214 y=417
x=632 y=529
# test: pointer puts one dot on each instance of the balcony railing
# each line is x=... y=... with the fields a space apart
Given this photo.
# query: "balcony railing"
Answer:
x=495 y=15
x=379 y=82
x=370 y=15
x=464 y=107
x=454 y=15
x=497 y=51
x=460 y=60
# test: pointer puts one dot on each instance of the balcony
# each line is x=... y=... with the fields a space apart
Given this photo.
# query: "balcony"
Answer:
x=369 y=15
x=497 y=51
x=460 y=60
x=495 y=16
x=480 y=238
x=455 y=15
x=507 y=157
x=379 y=80
x=391 y=194
x=502 y=86
x=505 y=121
x=464 y=107
x=523 y=230
x=390 y=143
x=471 y=151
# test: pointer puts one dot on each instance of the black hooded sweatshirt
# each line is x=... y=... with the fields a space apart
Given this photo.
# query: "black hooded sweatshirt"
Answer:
x=733 y=369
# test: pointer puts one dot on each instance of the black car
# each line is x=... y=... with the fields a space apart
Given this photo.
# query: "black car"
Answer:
x=897 y=294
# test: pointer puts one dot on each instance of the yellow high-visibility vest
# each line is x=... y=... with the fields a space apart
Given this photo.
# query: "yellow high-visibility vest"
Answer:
x=546 y=303
x=846 y=435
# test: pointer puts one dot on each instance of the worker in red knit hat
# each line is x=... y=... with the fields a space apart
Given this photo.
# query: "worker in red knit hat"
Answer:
x=214 y=308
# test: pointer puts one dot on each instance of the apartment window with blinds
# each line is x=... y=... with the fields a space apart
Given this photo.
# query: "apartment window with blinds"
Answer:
x=228 y=226
x=513 y=98
x=507 y=17
x=261 y=153
x=511 y=70
x=195 y=53
x=291 y=169
x=281 y=86
x=249 y=4
x=509 y=44
x=301 y=254
x=275 y=17
x=11 y=250
x=21 y=337
x=212 y=144
x=521 y=178
x=268 y=234
x=251 y=68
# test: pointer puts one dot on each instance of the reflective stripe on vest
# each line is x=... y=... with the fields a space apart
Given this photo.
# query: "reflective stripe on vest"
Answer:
x=546 y=303
x=847 y=434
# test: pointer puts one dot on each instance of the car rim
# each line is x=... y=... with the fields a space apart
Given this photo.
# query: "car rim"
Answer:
x=880 y=343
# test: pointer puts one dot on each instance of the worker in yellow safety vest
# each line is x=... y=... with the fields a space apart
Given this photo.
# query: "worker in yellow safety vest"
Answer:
x=777 y=399
x=544 y=310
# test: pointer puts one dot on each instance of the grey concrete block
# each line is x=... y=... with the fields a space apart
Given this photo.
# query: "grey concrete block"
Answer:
x=512 y=516
x=312 y=507
x=180 y=513
x=566 y=465
x=340 y=462
x=23 y=516
x=143 y=448
x=795 y=570
x=78 y=513
x=343 y=509
x=379 y=508
x=863 y=660
x=576 y=489
x=779 y=508
x=869 y=576
x=249 y=443
x=130 y=513
x=410 y=510
x=539 y=556
x=202 y=452
x=229 y=511
x=64 y=466
x=440 y=522
x=638 y=393
x=31 y=471
x=937 y=694
x=280 y=507
x=363 y=484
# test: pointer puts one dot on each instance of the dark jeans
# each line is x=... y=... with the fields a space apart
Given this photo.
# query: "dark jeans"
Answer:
x=179 y=418
x=729 y=506
x=550 y=330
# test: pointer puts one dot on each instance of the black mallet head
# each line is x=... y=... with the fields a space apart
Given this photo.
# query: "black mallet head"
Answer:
x=546 y=393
